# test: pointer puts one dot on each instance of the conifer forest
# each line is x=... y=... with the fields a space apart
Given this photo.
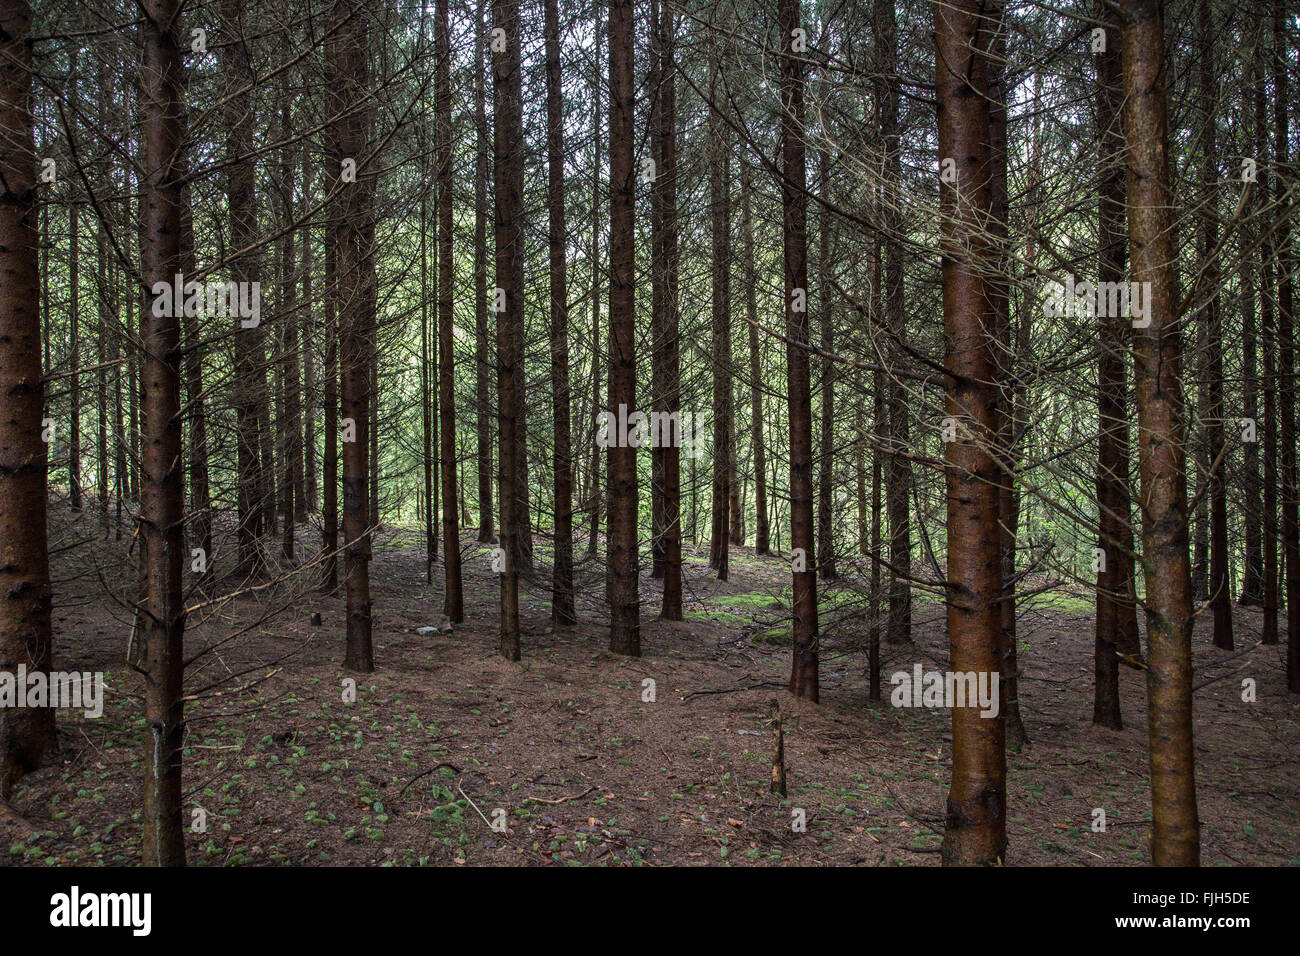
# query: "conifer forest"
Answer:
x=643 y=433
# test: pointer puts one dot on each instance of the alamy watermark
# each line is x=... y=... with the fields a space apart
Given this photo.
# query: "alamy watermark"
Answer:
x=653 y=430
x=1128 y=300
x=219 y=299
x=61 y=690
x=946 y=689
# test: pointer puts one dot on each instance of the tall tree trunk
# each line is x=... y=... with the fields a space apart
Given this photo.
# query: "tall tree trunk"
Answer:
x=200 y=493
x=241 y=199
x=348 y=63
x=761 y=533
x=101 y=379
x=1161 y=449
x=1113 y=533
x=1252 y=111
x=826 y=424
x=1268 y=322
x=426 y=396
x=482 y=359
x=804 y=680
x=594 y=484
x=454 y=599
x=162 y=498
x=1220 y=590
x=27 y=734
x=975 y=824
x=562 y=611
x=74 y=361
x=508 y=167
x=669 y=343
x=1286 y=347
x=658 y=293
x=898 y=475
x=720 y=346
x=287 y=366
x=330 y=461
x=307 y=502
x=1007 y=375
x=625 y=609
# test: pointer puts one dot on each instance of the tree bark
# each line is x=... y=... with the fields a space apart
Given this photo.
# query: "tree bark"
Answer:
x=625 y=610
x=162 y=494
x=1161 y=449
x=508 y=167
x=454 y=598
x=975 y=824
x=761 y=532
x=562 y=610
x=804 y=680
x=347 y=60
x=482 y=359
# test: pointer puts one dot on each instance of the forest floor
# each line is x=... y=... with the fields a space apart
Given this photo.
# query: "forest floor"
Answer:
x=445 y=733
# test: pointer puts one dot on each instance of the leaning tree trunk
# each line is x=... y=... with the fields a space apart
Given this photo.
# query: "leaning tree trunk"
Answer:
x=975 y=824
x=27 y=734
x=1175 y=839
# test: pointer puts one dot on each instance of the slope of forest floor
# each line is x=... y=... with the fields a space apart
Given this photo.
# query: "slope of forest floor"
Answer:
x=445 y=734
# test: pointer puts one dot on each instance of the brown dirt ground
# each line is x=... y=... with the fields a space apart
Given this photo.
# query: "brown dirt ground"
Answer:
x=445 y=733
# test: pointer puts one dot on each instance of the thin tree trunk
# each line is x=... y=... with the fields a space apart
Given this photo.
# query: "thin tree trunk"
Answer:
x=200 y=494
x=761 y=533
x=454 y=599
x=307 y=502
x=1252 y=586
x=1268 y=322
x=426 y=397
x=625 y=610
x=508 y=171
x=482 y=359
x=241 y=201
x=1286 y=349
x=898 y=475
x=1161 y=449
x=670 y=343
x=1112 y=413
x=74 y=362
x=720 y=347
x=1006 y=371
x=596 y=457
x=804 y=679
x=826 y=424
x=1220 y=590
x=333 y=412
x=562 y=611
